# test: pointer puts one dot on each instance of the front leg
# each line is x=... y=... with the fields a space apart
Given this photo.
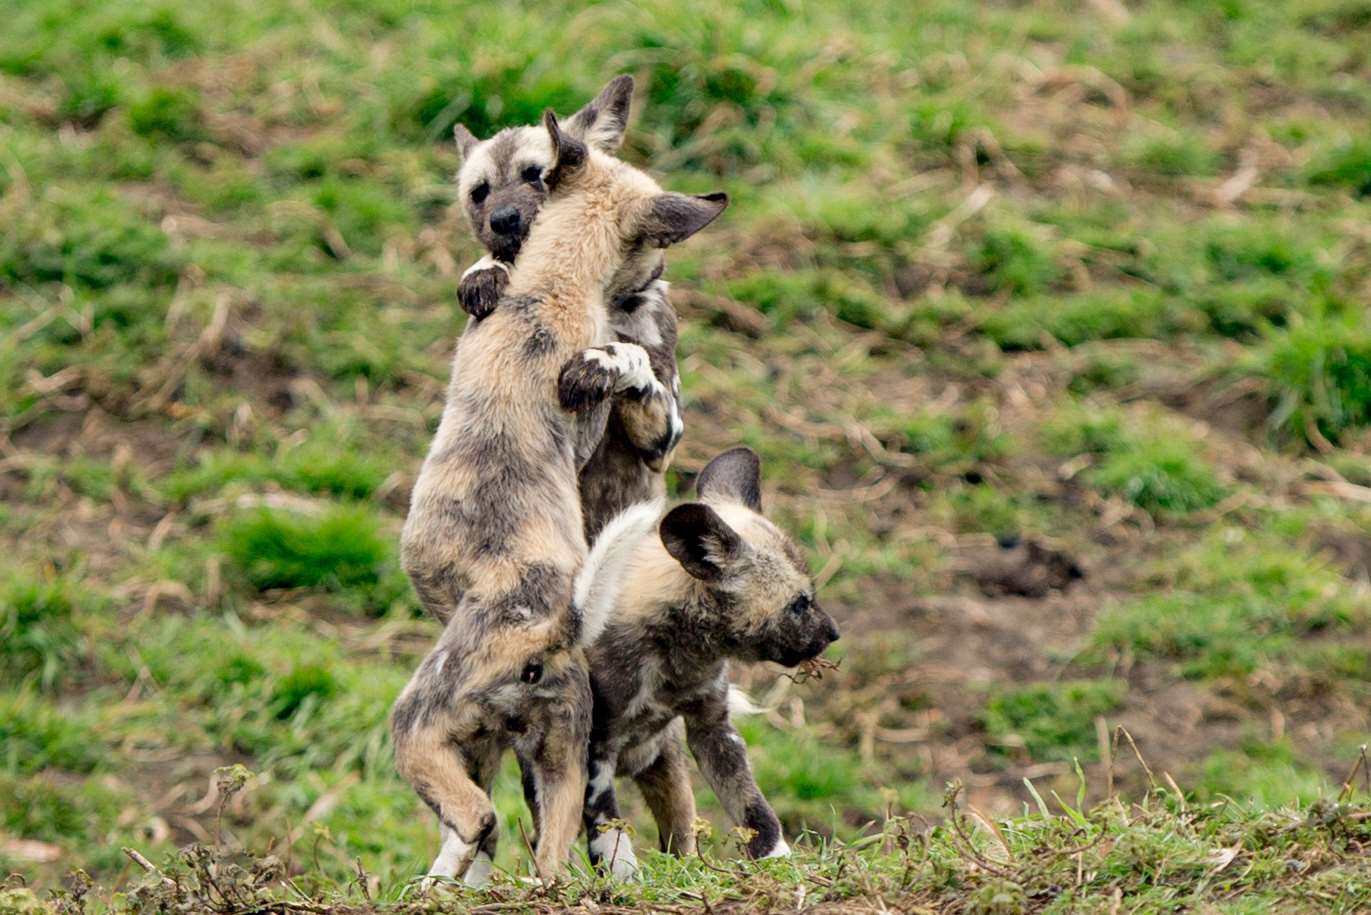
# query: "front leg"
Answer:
x=651 y=416
x=594 y=374
x=482 y=285
x=606 y=840
x=722 y=758
x=665 y=784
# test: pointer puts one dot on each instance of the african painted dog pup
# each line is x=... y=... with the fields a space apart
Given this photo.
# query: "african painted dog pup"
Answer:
x=502 y=189
x=494 y=535
x=720 y=582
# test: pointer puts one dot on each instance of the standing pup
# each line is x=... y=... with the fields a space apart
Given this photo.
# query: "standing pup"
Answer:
x=494 y=534
x=721 y=582
x=502 y=189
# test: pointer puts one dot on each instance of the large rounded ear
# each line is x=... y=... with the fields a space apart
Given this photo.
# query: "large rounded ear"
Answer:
x=568 y=153
x=673 y=218
x=700 y=540
x=466 y=140
x=602 y=122
x=734 y=476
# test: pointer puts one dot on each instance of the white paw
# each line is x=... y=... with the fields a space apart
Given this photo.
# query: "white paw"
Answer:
x=614 y=848
x=781 y=850
x=478 y=875
x=635 y=368
x=450 y=858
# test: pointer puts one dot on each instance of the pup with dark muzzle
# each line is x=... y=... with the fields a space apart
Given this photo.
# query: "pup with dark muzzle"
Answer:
x=502 y=190
x=714 y=581
x=494 y=536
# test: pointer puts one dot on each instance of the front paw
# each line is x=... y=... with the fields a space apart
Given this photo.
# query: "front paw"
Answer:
x=613 y=849
x=781 y=850
x=585 y=381
x=481 y=289
x=594 y=374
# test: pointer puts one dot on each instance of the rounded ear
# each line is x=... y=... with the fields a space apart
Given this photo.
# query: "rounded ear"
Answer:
x=601 y=123
x=568 y=153
x=466 y=140
x=735 y=475
x=699 y=540
x=673 y=218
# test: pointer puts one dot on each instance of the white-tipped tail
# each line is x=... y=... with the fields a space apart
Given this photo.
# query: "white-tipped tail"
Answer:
x=740 y=703
x=598 y=582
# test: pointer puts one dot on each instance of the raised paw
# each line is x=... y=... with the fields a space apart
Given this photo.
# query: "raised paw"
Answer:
x=481 y=288
x=634 y=367
x=594 y=374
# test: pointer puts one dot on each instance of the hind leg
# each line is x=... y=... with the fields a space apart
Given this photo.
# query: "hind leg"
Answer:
x=446 y=777
x=484 y=863
x=456 y=858
x=665 y=785
x=555 y=755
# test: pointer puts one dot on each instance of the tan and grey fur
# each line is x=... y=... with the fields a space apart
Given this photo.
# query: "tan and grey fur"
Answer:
x=714 y=582
x=501 y=191
x=494 y=536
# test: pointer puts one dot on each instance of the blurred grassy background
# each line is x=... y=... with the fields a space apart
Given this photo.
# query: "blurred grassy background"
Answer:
x=1089 y=274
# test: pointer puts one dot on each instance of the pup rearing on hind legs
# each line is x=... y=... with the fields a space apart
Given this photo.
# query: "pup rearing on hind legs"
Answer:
x=494 y=536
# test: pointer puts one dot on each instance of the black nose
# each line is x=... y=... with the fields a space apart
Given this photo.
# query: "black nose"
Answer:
x=505 y=221
x=832 y=631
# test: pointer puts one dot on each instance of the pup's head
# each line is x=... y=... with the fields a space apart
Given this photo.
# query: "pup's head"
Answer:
x=506 y=181
x=501 y=182
x=757 y=575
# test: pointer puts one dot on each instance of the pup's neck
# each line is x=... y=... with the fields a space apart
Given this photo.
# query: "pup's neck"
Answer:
x=572 y=251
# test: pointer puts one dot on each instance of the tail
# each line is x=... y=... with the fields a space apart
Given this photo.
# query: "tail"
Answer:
x=740 y=703
x=598 y=582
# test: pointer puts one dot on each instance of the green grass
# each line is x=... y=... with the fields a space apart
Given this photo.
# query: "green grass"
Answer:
x=1153 y=855
x=1347 y=166
x=1052 y=721
x=329 y=465
x=38 y=735
x=1268 y=774
x=1236 y=604
x=1318 y=373
x=1155 y=466
x=339 y=549
x=988 y=270
x=39 y=636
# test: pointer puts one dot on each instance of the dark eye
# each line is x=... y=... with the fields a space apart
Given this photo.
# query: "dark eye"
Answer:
x=532 y=673
x=479 y=192
x=799 y=606
x=533 y=174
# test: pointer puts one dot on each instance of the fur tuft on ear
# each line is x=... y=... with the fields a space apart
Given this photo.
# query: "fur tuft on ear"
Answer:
x=466 y=140
x=568 y=153
x=601 y=123
x=700 y=540
x=672 y=218
x=598 y=583
x=734 y=476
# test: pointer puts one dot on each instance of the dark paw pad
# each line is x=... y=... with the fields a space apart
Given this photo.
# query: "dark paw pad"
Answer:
x=480 y=290
x=584 y=383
